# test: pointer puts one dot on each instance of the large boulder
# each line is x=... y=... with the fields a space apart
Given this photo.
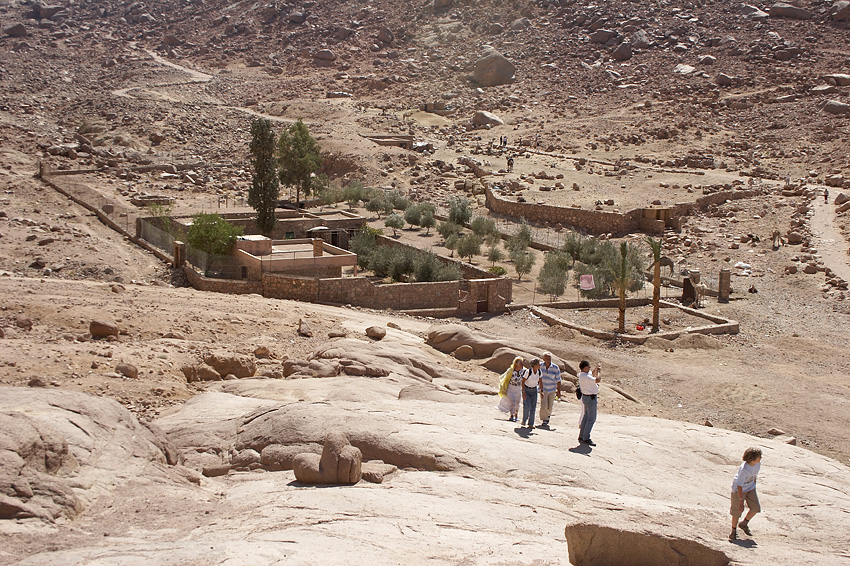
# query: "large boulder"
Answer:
x=340 y=463
x=493 y=69
x=836 y=107
x=449 y=337
x=60 y=450
x=482 y=118
x=199 y=372
x=103 y=329
x=784 y=10
x=840 y=79
x=623 y=52
x=236 y=364
x=841 y=11
x=17 y=30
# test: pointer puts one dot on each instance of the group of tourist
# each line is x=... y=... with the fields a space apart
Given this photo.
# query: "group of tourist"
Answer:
x=526 y=382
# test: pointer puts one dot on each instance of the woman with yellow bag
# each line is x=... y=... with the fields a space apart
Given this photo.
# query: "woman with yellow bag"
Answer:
x=510 y=388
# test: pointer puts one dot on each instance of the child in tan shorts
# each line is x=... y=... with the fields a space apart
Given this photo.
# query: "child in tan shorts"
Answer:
x=744 y=490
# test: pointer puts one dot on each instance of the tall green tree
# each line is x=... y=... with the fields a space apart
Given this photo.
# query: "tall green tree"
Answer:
x=299 y=157
x=523 y=262
x=265 y=190
x=655 y=246
x=627 y=267
x=460 y=210
x=469 y=245
x=394 y=221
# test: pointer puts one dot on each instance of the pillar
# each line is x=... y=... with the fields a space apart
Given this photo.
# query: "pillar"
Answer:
x=318 y=247
x=179 y=253
x=725 y=286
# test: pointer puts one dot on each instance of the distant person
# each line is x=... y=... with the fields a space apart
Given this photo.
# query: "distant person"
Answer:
x=529 y=393
x=510 y=388
x=510 y=164
x=744 y=490
x=825 y=196
x=550 y=387
x=589 y=384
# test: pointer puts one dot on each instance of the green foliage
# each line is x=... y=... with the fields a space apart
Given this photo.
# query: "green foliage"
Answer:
x=493 y=239
x=452 y=242
x=299 y=157
x=494 y=254
x=397 y=200
x=376 y=204
x=553 y=275
x=572 y=246
x=468 y=246
x=265 y=191
x=627 y=266
x=655 y=247
x=523 y=262
x=413 y=215
x=403 y=263
x=363 y=243
x=212 y=233
x=354 y=193
x=498 y=270
x=520 y=241
x=446 y=229
x=427 y=221
x=459 y=210
x=483 y=226
x=380 y=260
x=394 y=221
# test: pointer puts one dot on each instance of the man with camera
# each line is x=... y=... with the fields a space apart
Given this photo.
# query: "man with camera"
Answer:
x=589 y=384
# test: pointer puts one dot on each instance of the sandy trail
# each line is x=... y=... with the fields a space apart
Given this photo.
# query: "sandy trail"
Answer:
x=830 y=243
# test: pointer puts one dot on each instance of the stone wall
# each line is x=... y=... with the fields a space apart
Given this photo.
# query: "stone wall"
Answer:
x=588 y=221
x=278 y=286
x=232 y=286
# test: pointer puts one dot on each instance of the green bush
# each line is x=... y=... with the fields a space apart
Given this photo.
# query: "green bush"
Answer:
x=413 y=215
x=497 y=270
x=363 y=244
x=446 y=229
x=483 y=226
x=212 y=233
x=460 y=211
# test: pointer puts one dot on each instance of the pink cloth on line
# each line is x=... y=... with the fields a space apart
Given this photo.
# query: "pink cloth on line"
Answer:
x=586 y=283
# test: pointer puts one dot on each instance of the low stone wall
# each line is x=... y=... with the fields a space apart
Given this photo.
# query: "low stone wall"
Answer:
x=721 y=325
x=596 y=222
x=278 y=286
x=589 y=221
x=232 y=286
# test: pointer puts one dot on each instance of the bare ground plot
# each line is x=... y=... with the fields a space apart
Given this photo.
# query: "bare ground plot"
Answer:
x=606 y=318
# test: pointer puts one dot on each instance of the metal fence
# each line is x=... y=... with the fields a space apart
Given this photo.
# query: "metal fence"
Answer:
x=212 y=265
x=158 y=237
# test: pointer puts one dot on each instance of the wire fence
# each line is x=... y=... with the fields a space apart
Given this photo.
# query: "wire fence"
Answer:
x=213 y=265
x=162 y=239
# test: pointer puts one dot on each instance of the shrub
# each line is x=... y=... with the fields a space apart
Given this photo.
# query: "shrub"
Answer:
x=403 y=263
x=212 y=233
x=452 y=242
x=483 y=226
x=497 y=270
x=468 y=246
x=413 y=215
x=446 y=229
x=427 y=221
x=459 y=210
x=395 y=222
x=363 y=244
x=553 y=276
x=380 y=260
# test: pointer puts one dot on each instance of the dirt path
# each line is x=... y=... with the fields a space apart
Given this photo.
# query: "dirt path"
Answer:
x=831 y=244
x=195 y=77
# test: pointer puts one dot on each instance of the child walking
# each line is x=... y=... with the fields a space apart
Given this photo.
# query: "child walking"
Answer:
x=744 y=490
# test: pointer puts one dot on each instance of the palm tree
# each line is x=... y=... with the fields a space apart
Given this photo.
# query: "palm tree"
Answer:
x=656 y=281
x=627 y=267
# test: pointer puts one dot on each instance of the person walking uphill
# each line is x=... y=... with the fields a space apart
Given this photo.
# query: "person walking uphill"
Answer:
x=510 y=388
x=550 y=387
x=529 y=393
x=744 y=489
x=589 y=384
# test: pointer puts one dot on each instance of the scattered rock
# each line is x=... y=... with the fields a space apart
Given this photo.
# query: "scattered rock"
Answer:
x=216 y=470
x=374 y=471
x=794 y=238
x=791 y=269
x=785 y=439
x=810 y=269
x=199 y=372
x=707 y=60
x=24 y=323
x=842 y=198
x=337 y=334
x=493 y=69
x=839 y=79
x=464 y=352
x=245 y=458
x=836 y=107
x=311 y=368
x=17 y=30
x=36 y=382
x=127 y=370
x=724 y=80
x=325 y=55
x=225 y=363
x=103 y=329
x=783 y=10
x=623 y=52
x=392 y=324
x=304 y=329
x=262 y=352
x=340 y=463
x=776 y=432
x=602 y=36
x=376 y=332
